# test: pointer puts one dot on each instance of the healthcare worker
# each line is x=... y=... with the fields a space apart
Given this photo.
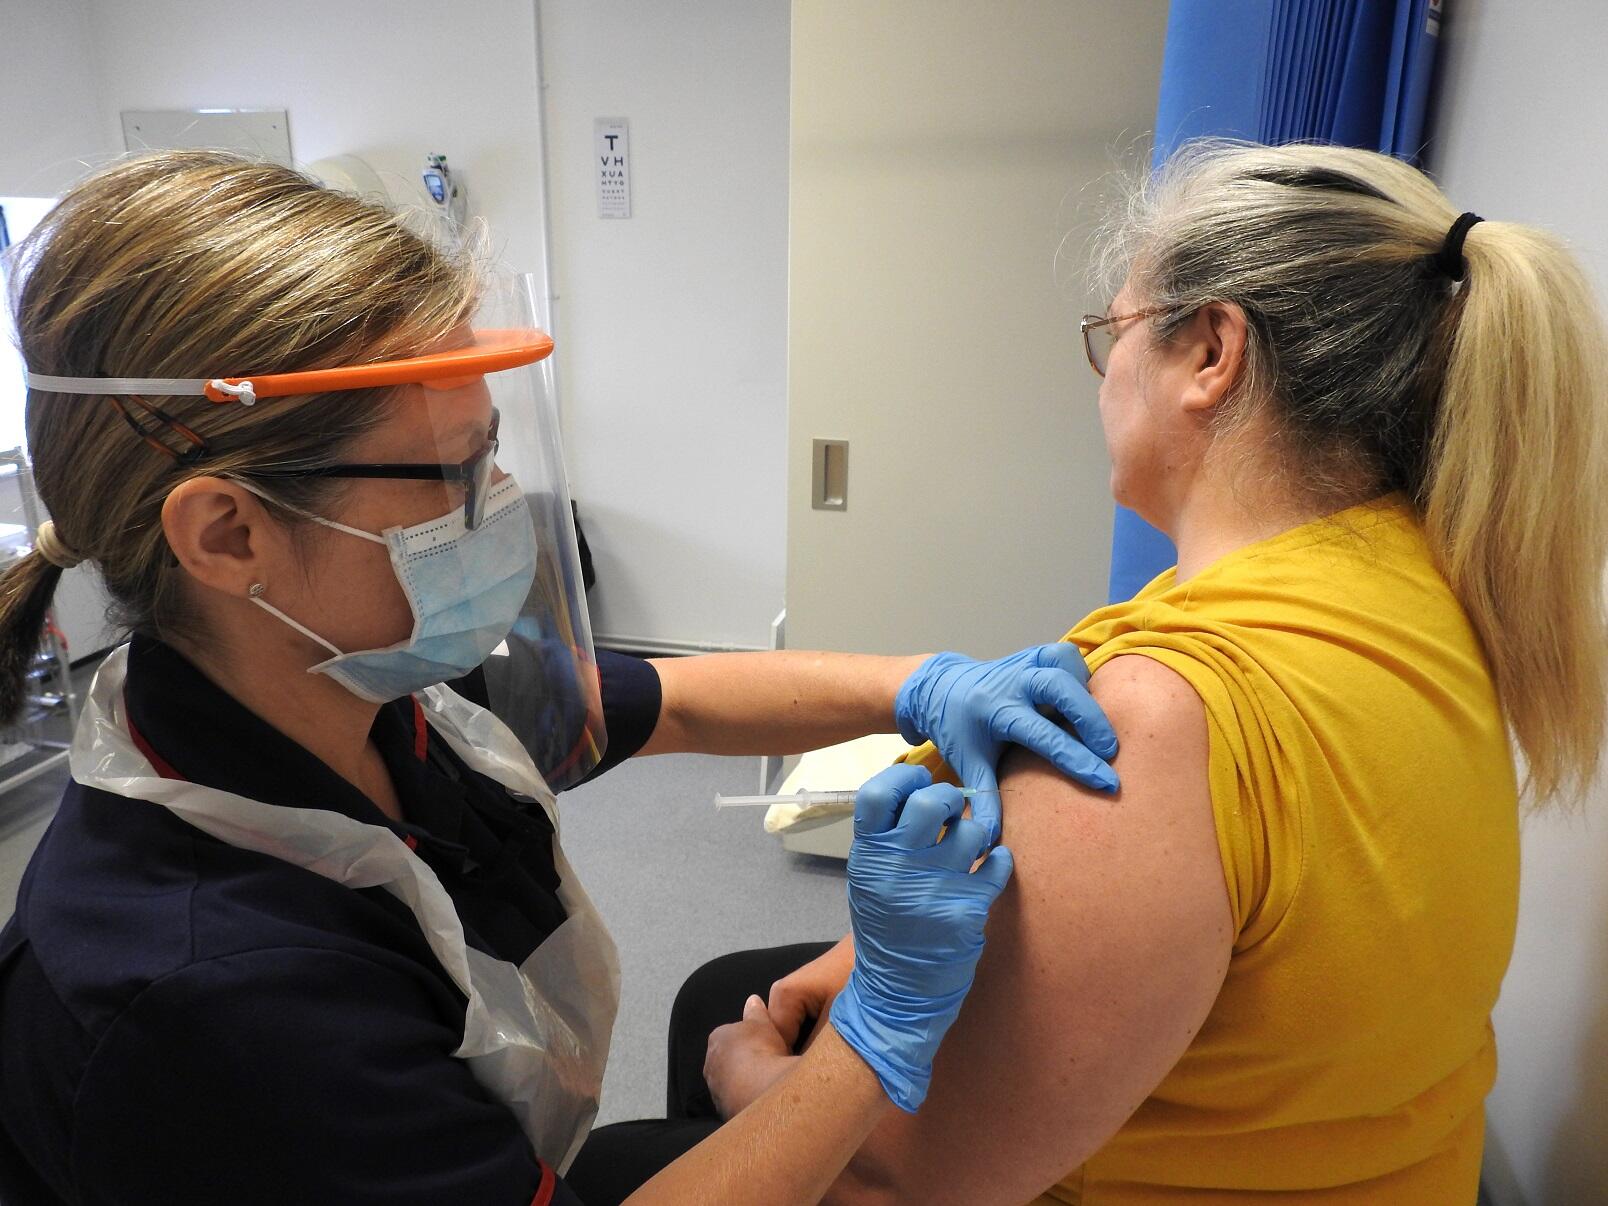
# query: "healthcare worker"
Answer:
x=302 y=928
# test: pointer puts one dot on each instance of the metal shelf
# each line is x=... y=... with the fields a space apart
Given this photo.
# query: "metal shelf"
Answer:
x=41 y=759
x=52 y=703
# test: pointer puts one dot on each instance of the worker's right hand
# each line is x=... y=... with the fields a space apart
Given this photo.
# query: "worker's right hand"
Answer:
x=917 y=910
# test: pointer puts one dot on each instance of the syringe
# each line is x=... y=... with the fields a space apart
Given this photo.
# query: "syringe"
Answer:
x=812 y=799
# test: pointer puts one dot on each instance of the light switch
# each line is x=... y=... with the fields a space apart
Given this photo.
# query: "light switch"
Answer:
x=830 y=476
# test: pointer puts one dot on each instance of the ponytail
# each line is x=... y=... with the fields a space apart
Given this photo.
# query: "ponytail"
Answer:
x=26 y=589
x=1515 y=499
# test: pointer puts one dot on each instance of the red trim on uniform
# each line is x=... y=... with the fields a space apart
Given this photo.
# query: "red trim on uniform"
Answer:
x=544 y=1191
x=161 y=765
x=421 y=731
x=164 y=768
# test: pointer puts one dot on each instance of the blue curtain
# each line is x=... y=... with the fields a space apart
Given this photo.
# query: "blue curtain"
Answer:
x=1347 y=71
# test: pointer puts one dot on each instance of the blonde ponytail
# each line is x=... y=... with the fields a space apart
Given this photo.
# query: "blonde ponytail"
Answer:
x=1516 y=502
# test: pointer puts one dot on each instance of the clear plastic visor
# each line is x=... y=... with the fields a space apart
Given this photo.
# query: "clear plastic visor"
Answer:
x=542 y=681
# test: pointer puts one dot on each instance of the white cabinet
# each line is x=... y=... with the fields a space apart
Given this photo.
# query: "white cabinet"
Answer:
x=942 y=158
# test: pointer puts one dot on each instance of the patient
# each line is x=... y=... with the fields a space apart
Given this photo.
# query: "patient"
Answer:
x=1265 y=970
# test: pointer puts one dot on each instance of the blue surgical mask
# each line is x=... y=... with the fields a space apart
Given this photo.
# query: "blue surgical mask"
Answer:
x=466 y=589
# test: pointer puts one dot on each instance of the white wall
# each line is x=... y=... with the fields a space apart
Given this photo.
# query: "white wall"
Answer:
x=1519 y=136
x=672 y=325
x=389 y=80
x=50 y=122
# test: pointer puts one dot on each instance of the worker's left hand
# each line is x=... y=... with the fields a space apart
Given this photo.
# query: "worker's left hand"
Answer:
x=971 y=710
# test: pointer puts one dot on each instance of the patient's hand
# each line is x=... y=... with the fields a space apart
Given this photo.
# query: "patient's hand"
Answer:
x=746 y=1058
x=805 y=996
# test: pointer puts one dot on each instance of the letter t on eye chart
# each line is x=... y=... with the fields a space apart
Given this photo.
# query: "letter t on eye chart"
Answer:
x=613 y=161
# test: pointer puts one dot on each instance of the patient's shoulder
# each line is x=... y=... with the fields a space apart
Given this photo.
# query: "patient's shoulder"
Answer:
x=1160 y=724
x=1145 y=693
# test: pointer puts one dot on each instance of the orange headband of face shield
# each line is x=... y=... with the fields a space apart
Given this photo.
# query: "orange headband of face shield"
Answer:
x=491 y=351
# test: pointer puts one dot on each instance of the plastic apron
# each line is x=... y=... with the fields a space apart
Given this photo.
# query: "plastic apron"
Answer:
x=536 y=1035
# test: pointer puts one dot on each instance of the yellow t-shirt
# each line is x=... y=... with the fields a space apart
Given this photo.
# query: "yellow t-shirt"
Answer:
x=1367 y=817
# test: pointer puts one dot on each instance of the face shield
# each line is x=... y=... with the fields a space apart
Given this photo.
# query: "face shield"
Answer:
x=472 y=454
x=542 y=681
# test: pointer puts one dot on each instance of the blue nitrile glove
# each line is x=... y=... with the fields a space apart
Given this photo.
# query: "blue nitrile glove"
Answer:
x=971 y=710
x=918 y=912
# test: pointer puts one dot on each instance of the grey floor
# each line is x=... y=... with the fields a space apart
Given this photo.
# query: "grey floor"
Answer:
x=677 y=882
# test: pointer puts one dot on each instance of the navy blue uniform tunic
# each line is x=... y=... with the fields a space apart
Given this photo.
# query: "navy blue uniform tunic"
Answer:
x=185 y=1021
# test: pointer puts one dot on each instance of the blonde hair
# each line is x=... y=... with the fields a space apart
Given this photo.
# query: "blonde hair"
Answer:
x=199 y=264
x=1480 y=399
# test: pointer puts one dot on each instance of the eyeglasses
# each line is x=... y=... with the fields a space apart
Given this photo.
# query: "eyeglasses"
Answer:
x=1099 y=338
x=474 y=474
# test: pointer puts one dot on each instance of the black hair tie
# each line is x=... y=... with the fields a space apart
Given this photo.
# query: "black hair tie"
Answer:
x=1449 y=259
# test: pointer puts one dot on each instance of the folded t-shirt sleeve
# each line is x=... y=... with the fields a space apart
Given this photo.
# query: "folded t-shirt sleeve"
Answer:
x=295 y=1074
x=1255 y=793
x=632 y=698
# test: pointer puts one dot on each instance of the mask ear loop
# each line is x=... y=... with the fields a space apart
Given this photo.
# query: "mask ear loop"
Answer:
x=255 y=594
x=257 y=589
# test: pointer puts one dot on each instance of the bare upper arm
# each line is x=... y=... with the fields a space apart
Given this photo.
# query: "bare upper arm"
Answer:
x=1103 y=958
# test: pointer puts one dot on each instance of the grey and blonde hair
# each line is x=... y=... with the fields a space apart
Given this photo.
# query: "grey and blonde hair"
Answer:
x=1481 y=400
x=199 y=264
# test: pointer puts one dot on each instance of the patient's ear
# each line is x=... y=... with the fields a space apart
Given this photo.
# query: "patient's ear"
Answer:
x=1215 y=339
